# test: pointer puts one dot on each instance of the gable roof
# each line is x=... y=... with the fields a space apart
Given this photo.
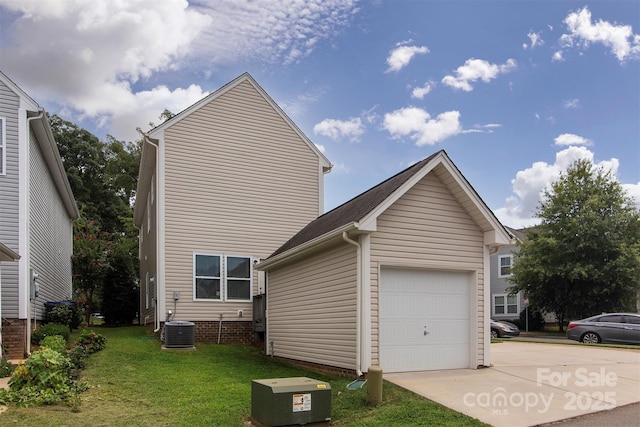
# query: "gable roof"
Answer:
x=361 y=212
x=246 y=77
x=39 y=123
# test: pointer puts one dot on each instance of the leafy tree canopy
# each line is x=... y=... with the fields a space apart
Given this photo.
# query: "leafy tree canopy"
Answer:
x=584 y=257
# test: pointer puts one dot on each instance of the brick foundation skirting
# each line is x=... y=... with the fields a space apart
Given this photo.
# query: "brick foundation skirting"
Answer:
x=230 y=332
x=14 y=337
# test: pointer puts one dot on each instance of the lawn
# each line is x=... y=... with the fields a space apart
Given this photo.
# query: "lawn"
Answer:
x=135 y=383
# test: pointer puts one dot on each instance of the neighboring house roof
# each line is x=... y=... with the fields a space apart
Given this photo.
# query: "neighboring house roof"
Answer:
x=6 y=254
x=361 y=212
x=39 y=122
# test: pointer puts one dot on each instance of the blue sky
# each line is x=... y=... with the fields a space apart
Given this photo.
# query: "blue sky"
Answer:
x=514 y=91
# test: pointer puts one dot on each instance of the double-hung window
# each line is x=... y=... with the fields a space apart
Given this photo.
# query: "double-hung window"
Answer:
x=222 y=278
x=504 y=267
x=506 y=304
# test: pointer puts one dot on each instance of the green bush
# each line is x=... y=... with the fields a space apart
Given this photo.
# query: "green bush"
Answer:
x=6 y=368
x=55 y=342
x=92 y=341
x=49 y=329
x=42 y=380
x=60 y=314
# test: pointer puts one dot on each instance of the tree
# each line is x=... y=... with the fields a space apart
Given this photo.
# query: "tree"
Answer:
x=103 y=178
x=120 y=291
x=92 y=252
x=584 y=257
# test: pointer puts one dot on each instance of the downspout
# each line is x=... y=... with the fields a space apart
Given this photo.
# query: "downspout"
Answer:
x=157 y=311
x=346 y=238
x=29 y=119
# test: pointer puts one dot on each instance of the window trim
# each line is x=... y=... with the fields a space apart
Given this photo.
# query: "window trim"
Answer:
x=500 y=258
x=249 y=279
x=224 y=277
x=195 y=277
x=506 y=305
x=3 y=146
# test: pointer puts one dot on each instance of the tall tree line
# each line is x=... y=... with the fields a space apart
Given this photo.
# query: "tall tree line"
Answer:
x=103 y=176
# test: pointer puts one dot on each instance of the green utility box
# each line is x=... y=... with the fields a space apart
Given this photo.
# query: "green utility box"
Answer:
x=290 y=401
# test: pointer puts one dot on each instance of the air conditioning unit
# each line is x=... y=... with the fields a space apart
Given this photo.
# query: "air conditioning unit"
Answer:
x=179 y=334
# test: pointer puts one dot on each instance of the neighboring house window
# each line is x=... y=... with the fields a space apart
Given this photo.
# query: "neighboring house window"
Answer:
x=505 y=266
x=506 y=304
x=222 y=278
x=3 y=146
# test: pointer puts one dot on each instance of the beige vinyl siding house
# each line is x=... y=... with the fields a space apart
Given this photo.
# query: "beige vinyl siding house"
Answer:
x=36 y=216
x=222 y=185
x=415 y=293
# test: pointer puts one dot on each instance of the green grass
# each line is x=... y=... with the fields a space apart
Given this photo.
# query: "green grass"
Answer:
x=135 y=383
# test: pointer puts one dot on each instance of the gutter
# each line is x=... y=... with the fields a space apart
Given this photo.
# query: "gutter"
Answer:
x=347 y=239
x=306 y=247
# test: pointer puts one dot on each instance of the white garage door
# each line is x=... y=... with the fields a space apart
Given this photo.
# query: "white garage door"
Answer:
x=424 y=320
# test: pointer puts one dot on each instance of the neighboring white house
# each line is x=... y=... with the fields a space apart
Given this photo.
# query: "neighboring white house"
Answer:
x=396 y=277
x=222 y=185
x=37 y=211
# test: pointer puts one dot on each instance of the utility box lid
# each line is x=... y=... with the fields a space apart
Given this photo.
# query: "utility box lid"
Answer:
x=290 y=401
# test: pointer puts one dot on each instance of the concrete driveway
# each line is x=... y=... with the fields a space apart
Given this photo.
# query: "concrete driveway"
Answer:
x=534 y=383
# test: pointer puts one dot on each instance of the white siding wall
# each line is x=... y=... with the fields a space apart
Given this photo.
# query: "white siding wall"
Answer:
x=9 y=104
x=148 y=249
x=426 y=228
x=239 y=181
x=312 y=309
x=50 y=233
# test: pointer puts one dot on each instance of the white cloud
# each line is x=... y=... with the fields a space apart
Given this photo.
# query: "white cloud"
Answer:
x=417 y=125
x=339 y=129
x=557 y=57
x=529 y=185
x=620 y=39
x=571 y=139
x=477 y=69
x=422 y=91
x=320 y=147
x=571 y=103
x=536 y=40
x=116 y=48
x=402 y=55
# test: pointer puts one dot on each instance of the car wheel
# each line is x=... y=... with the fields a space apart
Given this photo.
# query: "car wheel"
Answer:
x=590 y=338
x=495 y=333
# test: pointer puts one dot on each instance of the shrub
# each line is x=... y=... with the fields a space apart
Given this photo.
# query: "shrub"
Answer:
x=43 y=379
x=59 y=314
x=55 y=342
x=49 y=329
x=64 y=313
x=92 y=341
x=6 y=368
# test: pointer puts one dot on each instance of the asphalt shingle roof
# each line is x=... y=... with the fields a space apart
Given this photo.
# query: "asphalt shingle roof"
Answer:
x=353 y=210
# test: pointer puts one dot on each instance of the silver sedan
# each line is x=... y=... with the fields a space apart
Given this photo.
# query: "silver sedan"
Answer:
x=620 y=328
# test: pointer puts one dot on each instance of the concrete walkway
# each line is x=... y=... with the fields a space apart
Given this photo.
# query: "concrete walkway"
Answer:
x=534 y=383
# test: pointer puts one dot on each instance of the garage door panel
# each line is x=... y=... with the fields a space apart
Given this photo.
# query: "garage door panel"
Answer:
x=424 y=320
